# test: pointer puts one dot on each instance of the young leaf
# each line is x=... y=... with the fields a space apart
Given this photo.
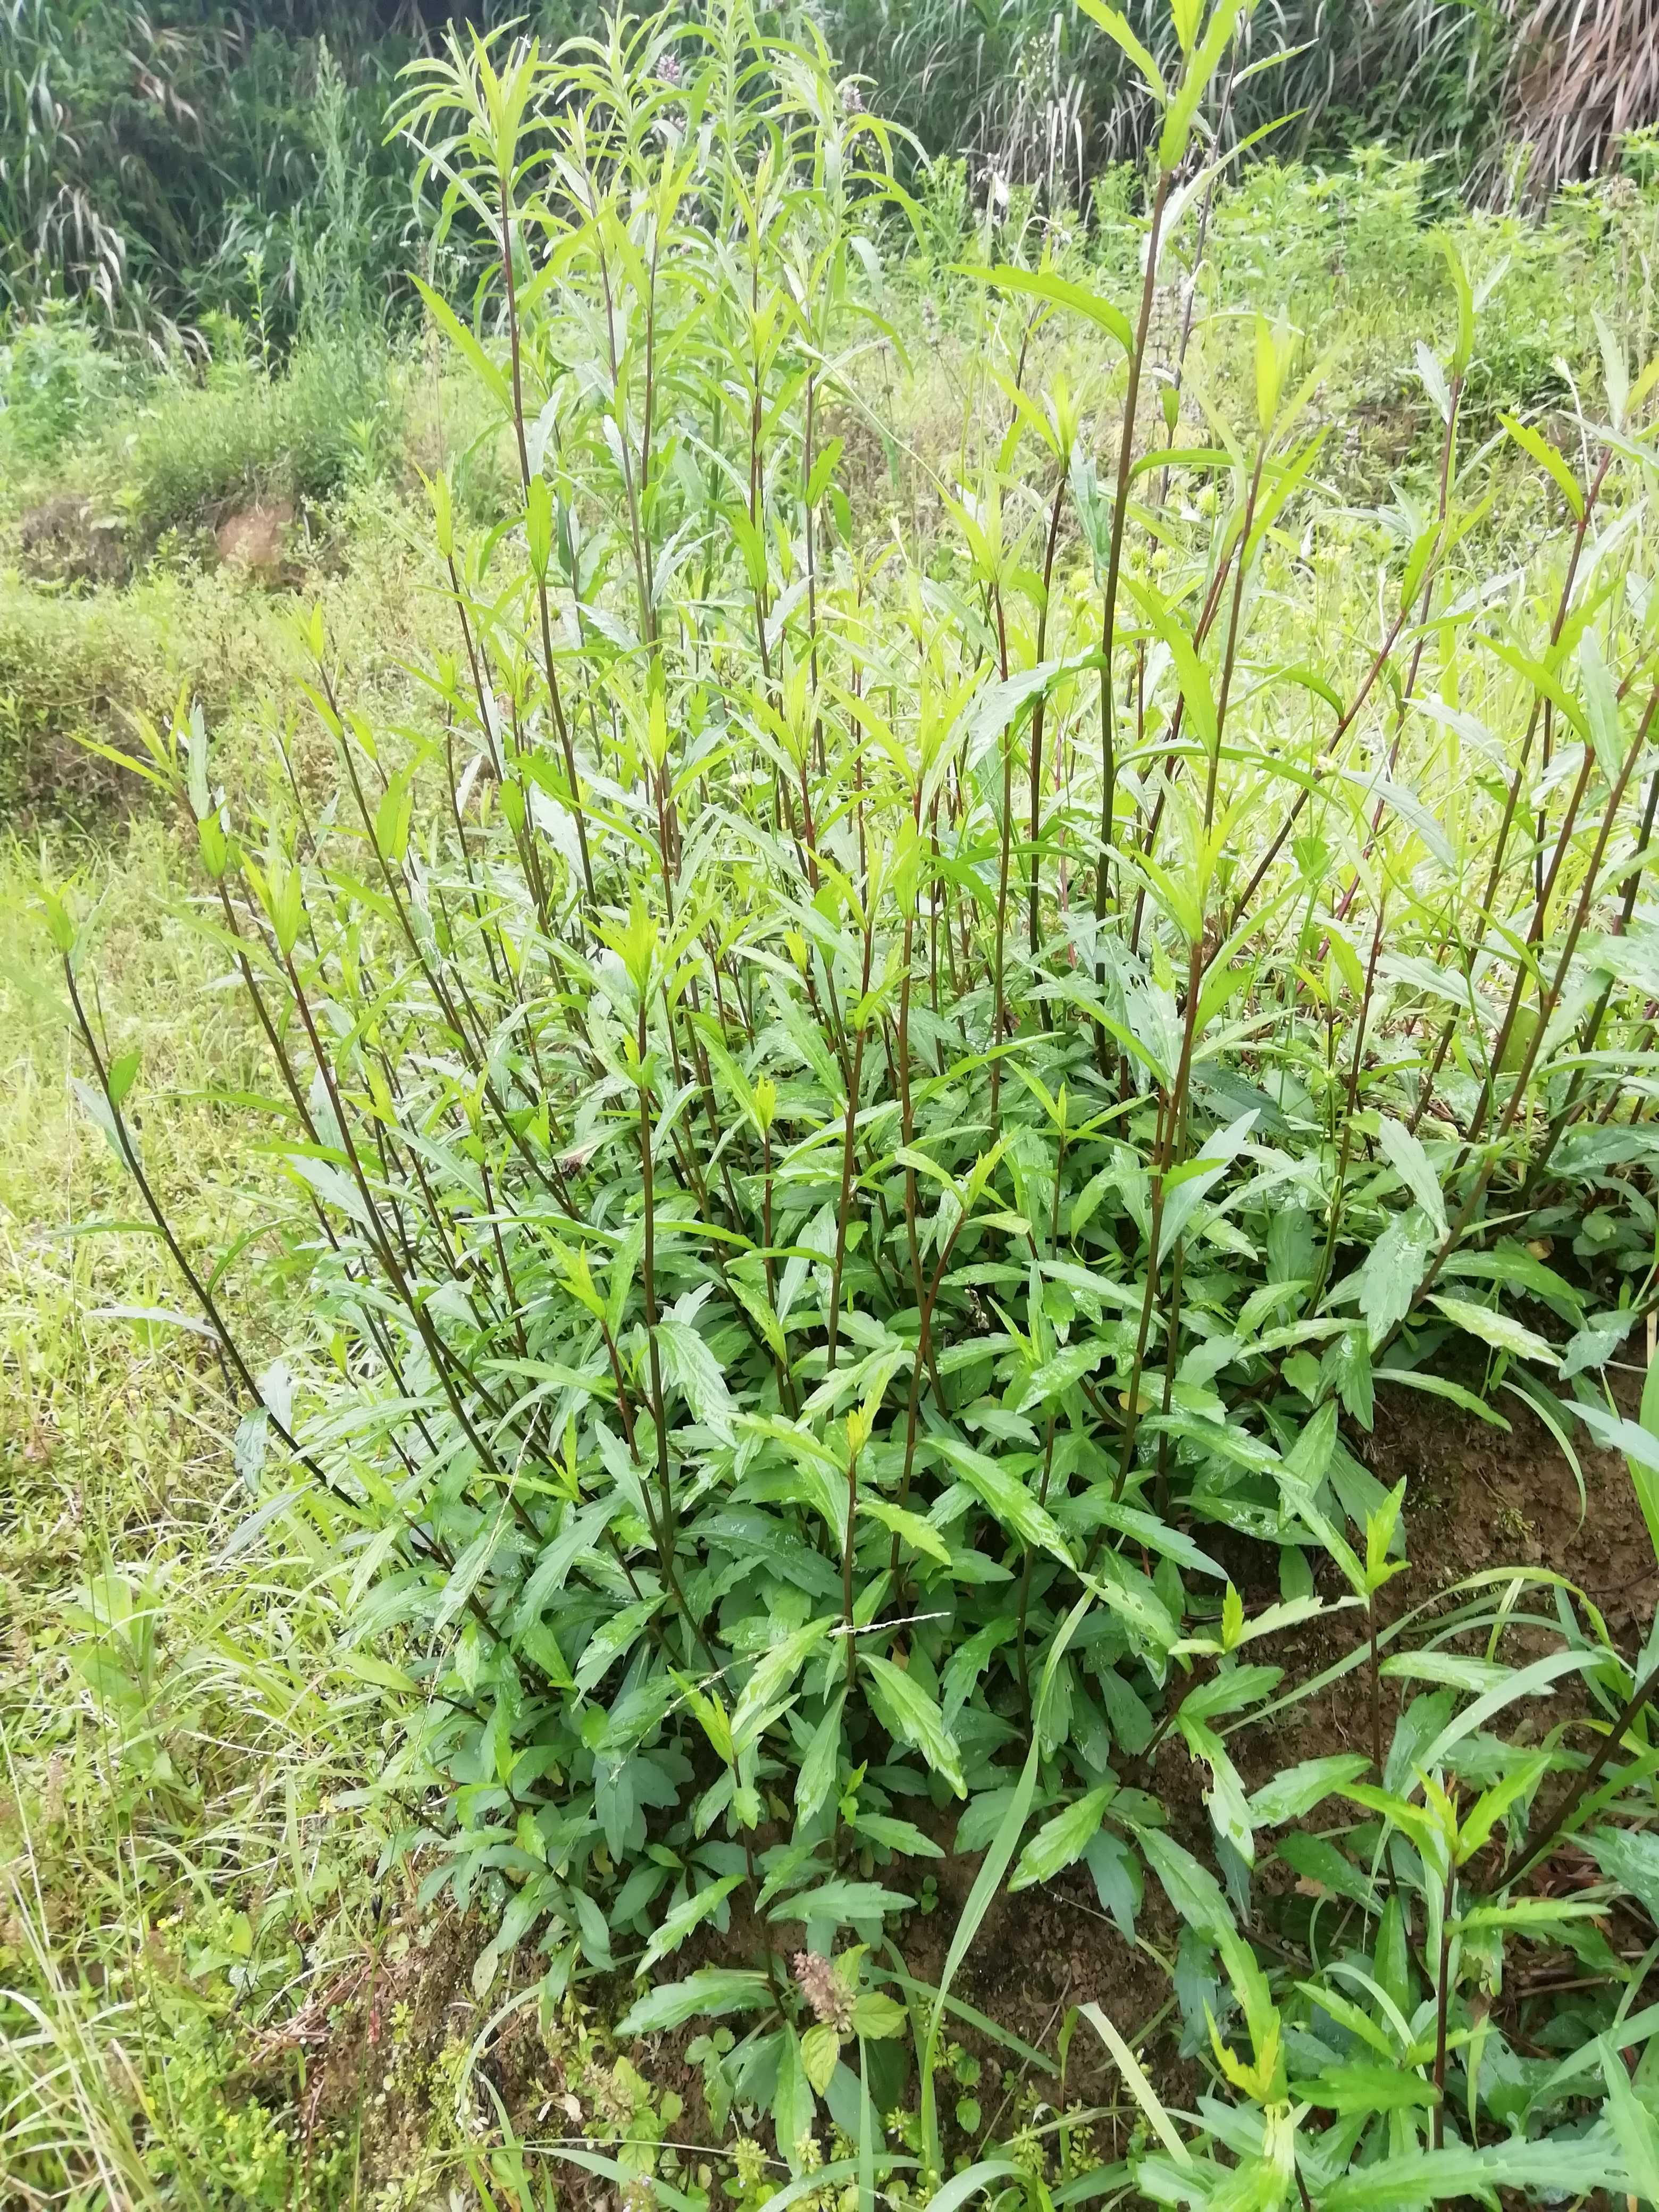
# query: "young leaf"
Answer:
x=906 y=1711
x=1058 y=1843
x=690 y=1912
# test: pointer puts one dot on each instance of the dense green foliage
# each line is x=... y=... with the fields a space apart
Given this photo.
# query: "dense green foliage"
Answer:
x=172 y=161
x=861 y=1107
x=796 y=1313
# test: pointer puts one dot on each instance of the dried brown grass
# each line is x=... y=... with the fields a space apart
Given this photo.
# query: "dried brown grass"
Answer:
x=1583 y=73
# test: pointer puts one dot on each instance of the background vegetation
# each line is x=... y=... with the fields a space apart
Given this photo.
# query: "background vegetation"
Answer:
x=169 y=163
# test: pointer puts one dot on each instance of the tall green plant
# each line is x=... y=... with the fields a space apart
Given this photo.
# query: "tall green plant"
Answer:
x=786 y=1323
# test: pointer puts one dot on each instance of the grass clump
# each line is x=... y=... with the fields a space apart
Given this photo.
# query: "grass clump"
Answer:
x=187 y=457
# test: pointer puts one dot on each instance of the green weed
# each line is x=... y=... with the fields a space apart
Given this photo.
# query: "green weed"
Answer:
x=853 y=1114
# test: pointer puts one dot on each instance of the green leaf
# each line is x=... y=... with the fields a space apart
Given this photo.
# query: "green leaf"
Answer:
x=494 y=378
x=1056 y=1375
x=1115 y=27
x=1294 y=1792
x=1200 y=69
x=820 y=2055
x=993 y=1867
x=1440 y=1386
x=1638 y=1442
x=1365 y=2086
x=1055 y=291
x=690 y=1912
x=1629 y=1856
x=1117 y=1879
x=877 y=2018
x=909 y=1528
x=1414 y=2179
x=1143 y=1528
x=819 y=1769
x=1405 y=1156
x=1601 y=706
x=1060 y=1842
x=1191 y=1888
x=1500 y=1330
x=468 y=1571
x=844 y=1903
x=123 y=1068
x=708 y=1993
x=1388 y=1280
x=792 y=2108
x=1317 y=1859
x=693 y=1366
x=1006 y=1498
x=609 y=1640
x=773 y=1671
x=907 y=1711
x=1634 y=2124
x=1535 y=443
x=1533 y=1680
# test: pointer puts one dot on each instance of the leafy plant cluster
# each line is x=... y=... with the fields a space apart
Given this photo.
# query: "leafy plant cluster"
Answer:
x=858 y=1123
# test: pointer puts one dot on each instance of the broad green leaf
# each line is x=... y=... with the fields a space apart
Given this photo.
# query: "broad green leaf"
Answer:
x=1405 y=1156
x=820 y=2055
x=708 y=1994
x=820 y=1769
x=1634 y=2124
x=1191 y=1888
x=1058 y=1374
x=611 y=1638
x=909 y=1528
x=690 y=1912
x=1412 y=2179
x=1006 y=1498
x=1294 y=1792
x=773 y=1671
x=1629 y=1856
x=906 y=1711
x=844 y=1903
x=1058 y=1843
x=693 y=1366
x=1057 y=292
x=877 y=2017
x=1364 y=2085
x=1500 y=1330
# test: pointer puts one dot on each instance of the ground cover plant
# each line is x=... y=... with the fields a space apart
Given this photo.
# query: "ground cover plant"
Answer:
x=866 y=1117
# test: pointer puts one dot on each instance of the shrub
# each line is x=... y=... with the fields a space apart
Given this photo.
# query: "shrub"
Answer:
x=70 y=669
x=853 y=1145
x=192 y=452
x=54 y=380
